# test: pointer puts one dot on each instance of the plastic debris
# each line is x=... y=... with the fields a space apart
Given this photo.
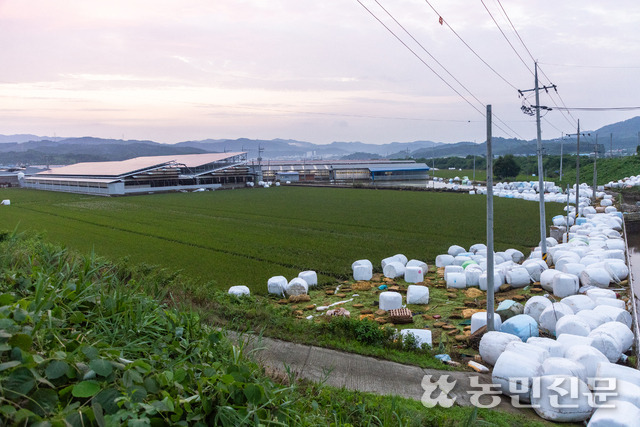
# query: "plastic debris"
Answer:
x=477 y=367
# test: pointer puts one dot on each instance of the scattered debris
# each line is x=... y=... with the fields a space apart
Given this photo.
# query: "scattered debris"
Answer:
x=340 y=311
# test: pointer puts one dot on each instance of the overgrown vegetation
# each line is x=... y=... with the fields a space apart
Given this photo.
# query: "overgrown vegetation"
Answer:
x=80 y=344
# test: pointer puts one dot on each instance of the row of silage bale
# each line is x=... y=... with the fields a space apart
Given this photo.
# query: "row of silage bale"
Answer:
x=626 y=182
x=279 y=285
x=592 y=329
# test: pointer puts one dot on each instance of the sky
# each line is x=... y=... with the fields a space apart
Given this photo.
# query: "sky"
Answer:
x=171 y=71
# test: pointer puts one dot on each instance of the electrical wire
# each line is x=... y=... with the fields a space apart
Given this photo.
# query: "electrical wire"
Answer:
x=598 y=108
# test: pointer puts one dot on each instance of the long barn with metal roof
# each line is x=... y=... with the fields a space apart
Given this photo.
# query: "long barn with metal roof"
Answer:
x=146 y=174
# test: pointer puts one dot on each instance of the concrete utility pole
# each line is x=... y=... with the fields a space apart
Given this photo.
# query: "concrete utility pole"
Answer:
x=561 y=144
x=595 y=170
x=611 y=145
x=578 y=168
x=490 y=267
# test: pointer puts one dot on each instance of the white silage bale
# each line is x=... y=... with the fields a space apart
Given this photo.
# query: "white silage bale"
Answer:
x=521 y=325
x=422 y=336
x=554 y=348
x=456 y=280
x=594 y=294
x=551 y=314
x=492 y=345
x=628 y=392
x=444 y=260
x=362 y=272
x=574 y=268
x=565 y=284
x=563 y=399
x=589 y=259
x=402 y=259
x=578 y=303
x=562 y=366
x=615 y=314
x=276 y=285
x=452 y=269
x=569 y=340
x=514 y=374
x=497 y=280
x=588 y=356
x=455 y=250
x=546 y=279
x=613 y=244
x=413 y=274
x=564 y=261
x=515 y=255
x=417 y=294
x=518 y=277
x=478 y=247
x=572 y=324
x=393 y=269
x=535 y=267
x=362 y=262
x=309 y=276
x=607 y=343
x=417 y=263
x=622 y=332
x=593 y=318
x=390 y=300
x=617 y=269
x=461 y=259
x=610 y=301
x=606 y=202
x=593 y=275
x=478 y=320
x=239 y=291
x=616 y=413
x=297 y=286
x=528 y=351
x=614 y=254
x=619 y=372
x=535 y=306
x=399 y=258
x=472 y=276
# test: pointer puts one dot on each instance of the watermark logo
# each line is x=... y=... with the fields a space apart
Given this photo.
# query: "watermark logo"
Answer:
x=444 y=386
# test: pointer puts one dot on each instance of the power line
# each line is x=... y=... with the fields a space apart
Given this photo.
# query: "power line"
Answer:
x=630 y=67
x=470 y=48
x=598 y=108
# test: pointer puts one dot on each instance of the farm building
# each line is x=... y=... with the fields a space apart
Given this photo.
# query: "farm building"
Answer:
x=145 y=174
x=346 y=170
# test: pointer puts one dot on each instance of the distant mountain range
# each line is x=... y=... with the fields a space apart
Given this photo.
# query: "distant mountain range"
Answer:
x=32 y=149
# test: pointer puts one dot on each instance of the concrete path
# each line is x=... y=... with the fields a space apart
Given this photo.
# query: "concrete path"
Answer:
x=368 y=374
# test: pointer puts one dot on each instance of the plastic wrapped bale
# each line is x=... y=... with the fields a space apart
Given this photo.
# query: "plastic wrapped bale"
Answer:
x=492 y=345
x=593 y=318
x=554 y=348
x=562 y=398
x=565 y=284
x=509 y=308
x=615 y=244
x=546 y=279
x=297 y=286
x=452 y=269
x=444 y=260
x=528 y=351
x=612 y=302
x=422 y=336
x=497 y=280
x=616 y=413
x=514 y=374
x=516 y=255
x=413 y=274
x=607 y=343
x=393 y=270
x=518 y=277
x=478 y=320
x=362 y=262
x=623 y=334
x=572 y=324
x=600 y=293
x=473 y=276
x=362 y=272
x=617 y=269
x=614 y=313
x=461 y=259
x=562 y=366
x=455 y=250
x=310 y=277
x=619 y=372
x=276 y=285
x=614 y=254
x=535 y=267
x=399 y=258
x=625 y=390
x=456 y=280
x=574 y=268
x=417 y=263
x=535 y=306
x=417 y=294
x=578 y=303
x=551 y=314
x=588 y=356
x=390 y=300
x=239 y=291
x=477 y=248
x=521 y=325
x=593 y=275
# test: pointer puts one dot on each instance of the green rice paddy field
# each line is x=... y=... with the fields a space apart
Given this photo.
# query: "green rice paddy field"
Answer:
x=243 y=237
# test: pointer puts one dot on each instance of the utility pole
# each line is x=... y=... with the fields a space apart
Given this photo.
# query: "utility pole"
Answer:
x=561 y=144
x=611 y=145
x=490 y=268
x=578 y=169
x=543 y=226
x=595 y=170
x=474 y=167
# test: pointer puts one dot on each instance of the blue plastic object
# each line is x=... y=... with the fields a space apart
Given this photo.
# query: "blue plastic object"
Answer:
x=382 y=287
x=523 y=326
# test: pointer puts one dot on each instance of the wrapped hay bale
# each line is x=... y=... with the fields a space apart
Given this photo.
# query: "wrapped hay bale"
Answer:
x=562 y=366
x=551 y=314
x=444 y=260
x=586 y=355
x=393 y=269
x=514 y=374
x=297 y=286
x=472 y=276
x=456 y=280
x=418 y=263
x=592 y=318
x=565 y=284
x=563 y=398
x=528 y=351
x=310 y=277
x=455 y=250
x=620 y=331
x=417 y=294
x=413 y=274
x=509 y=308
x=521 y=325
x=535 y=267
x=362 y=262
x=615 y=314
x=276 y=285
x=616 y=413
x=478 y=320
x=619 y=372
x=554 y=348
x=422 y=336
x=607 y=343
x=452 y=269
x=518 y=277
x=239 y=291
x=572 y=324
x=535 y=306
x=390 y=300
x=492 y=345
x=593 y=275
x=362 y=272
x=578 y=303
x=546 y=279
x=618 y=303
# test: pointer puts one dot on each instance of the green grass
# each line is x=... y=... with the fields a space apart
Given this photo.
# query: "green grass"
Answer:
x=226 y=238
